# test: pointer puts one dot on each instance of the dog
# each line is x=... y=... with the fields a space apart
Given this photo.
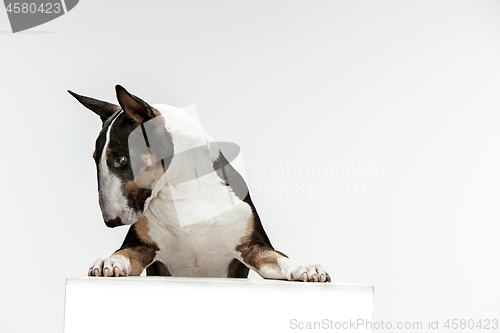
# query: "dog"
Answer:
x=189 y=211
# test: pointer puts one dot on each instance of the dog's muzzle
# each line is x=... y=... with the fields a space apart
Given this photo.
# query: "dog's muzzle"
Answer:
x=114 y=222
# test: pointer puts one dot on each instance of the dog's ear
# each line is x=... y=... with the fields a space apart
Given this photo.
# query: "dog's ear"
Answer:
x=101 y=108
x=134 y=107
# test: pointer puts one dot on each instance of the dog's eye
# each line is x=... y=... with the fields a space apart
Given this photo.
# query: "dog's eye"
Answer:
x=120 y=161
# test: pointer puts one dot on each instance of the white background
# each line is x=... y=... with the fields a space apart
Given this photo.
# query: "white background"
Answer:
x=409 y=88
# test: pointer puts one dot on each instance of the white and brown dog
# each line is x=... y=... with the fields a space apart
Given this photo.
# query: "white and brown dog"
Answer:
x=190 y=212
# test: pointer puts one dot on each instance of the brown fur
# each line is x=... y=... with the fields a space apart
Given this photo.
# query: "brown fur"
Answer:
x=130 y=189
x=142 y=230
x=138 y=247
x=150 y=175
x=135 y=265
x=248 y=235
x=254 y=253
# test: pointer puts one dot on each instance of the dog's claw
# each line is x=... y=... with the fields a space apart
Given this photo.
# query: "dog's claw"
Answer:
x=306 y=273
x=114 y=265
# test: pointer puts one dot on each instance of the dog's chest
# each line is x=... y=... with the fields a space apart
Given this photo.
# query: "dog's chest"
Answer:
x=203 y=249
x=199 y=251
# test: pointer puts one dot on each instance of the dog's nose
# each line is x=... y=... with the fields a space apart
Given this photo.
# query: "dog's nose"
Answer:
x=114 y=222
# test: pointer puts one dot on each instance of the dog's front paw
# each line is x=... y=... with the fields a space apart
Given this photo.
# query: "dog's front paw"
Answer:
x=116 y=265
x=296 y=272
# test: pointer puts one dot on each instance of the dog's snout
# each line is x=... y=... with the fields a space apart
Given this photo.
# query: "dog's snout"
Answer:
x=114 y=222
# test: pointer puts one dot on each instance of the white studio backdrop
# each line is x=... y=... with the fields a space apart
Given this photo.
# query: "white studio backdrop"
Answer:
x=369 y=129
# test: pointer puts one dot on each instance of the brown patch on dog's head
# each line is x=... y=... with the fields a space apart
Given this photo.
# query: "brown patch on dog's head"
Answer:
x=151 y=171
x=136 y=196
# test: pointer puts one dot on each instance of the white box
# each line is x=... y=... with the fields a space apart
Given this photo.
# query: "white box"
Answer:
x=169 y=304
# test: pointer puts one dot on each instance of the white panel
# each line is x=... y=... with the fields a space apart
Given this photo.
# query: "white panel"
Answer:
x=161 y=304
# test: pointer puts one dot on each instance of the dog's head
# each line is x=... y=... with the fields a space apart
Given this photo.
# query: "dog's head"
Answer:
x=121 y=198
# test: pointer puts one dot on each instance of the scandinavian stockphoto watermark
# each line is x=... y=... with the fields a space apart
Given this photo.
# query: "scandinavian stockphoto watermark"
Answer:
x=24 y=15
x=311 y=179
x=202 y=163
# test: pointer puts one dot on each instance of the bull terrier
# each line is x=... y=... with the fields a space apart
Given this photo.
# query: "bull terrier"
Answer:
x=189 y=211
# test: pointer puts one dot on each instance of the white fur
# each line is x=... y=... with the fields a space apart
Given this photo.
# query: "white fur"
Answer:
x=197 y=223
x=201 y=249
x=114 y=265
x=111 y=199
x=289 y=269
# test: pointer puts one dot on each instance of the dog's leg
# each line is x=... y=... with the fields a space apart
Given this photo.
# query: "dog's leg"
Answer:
x=157 y=269
x=237 y=269
x=256 y=252
x=272 y=264
x=136 y=253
